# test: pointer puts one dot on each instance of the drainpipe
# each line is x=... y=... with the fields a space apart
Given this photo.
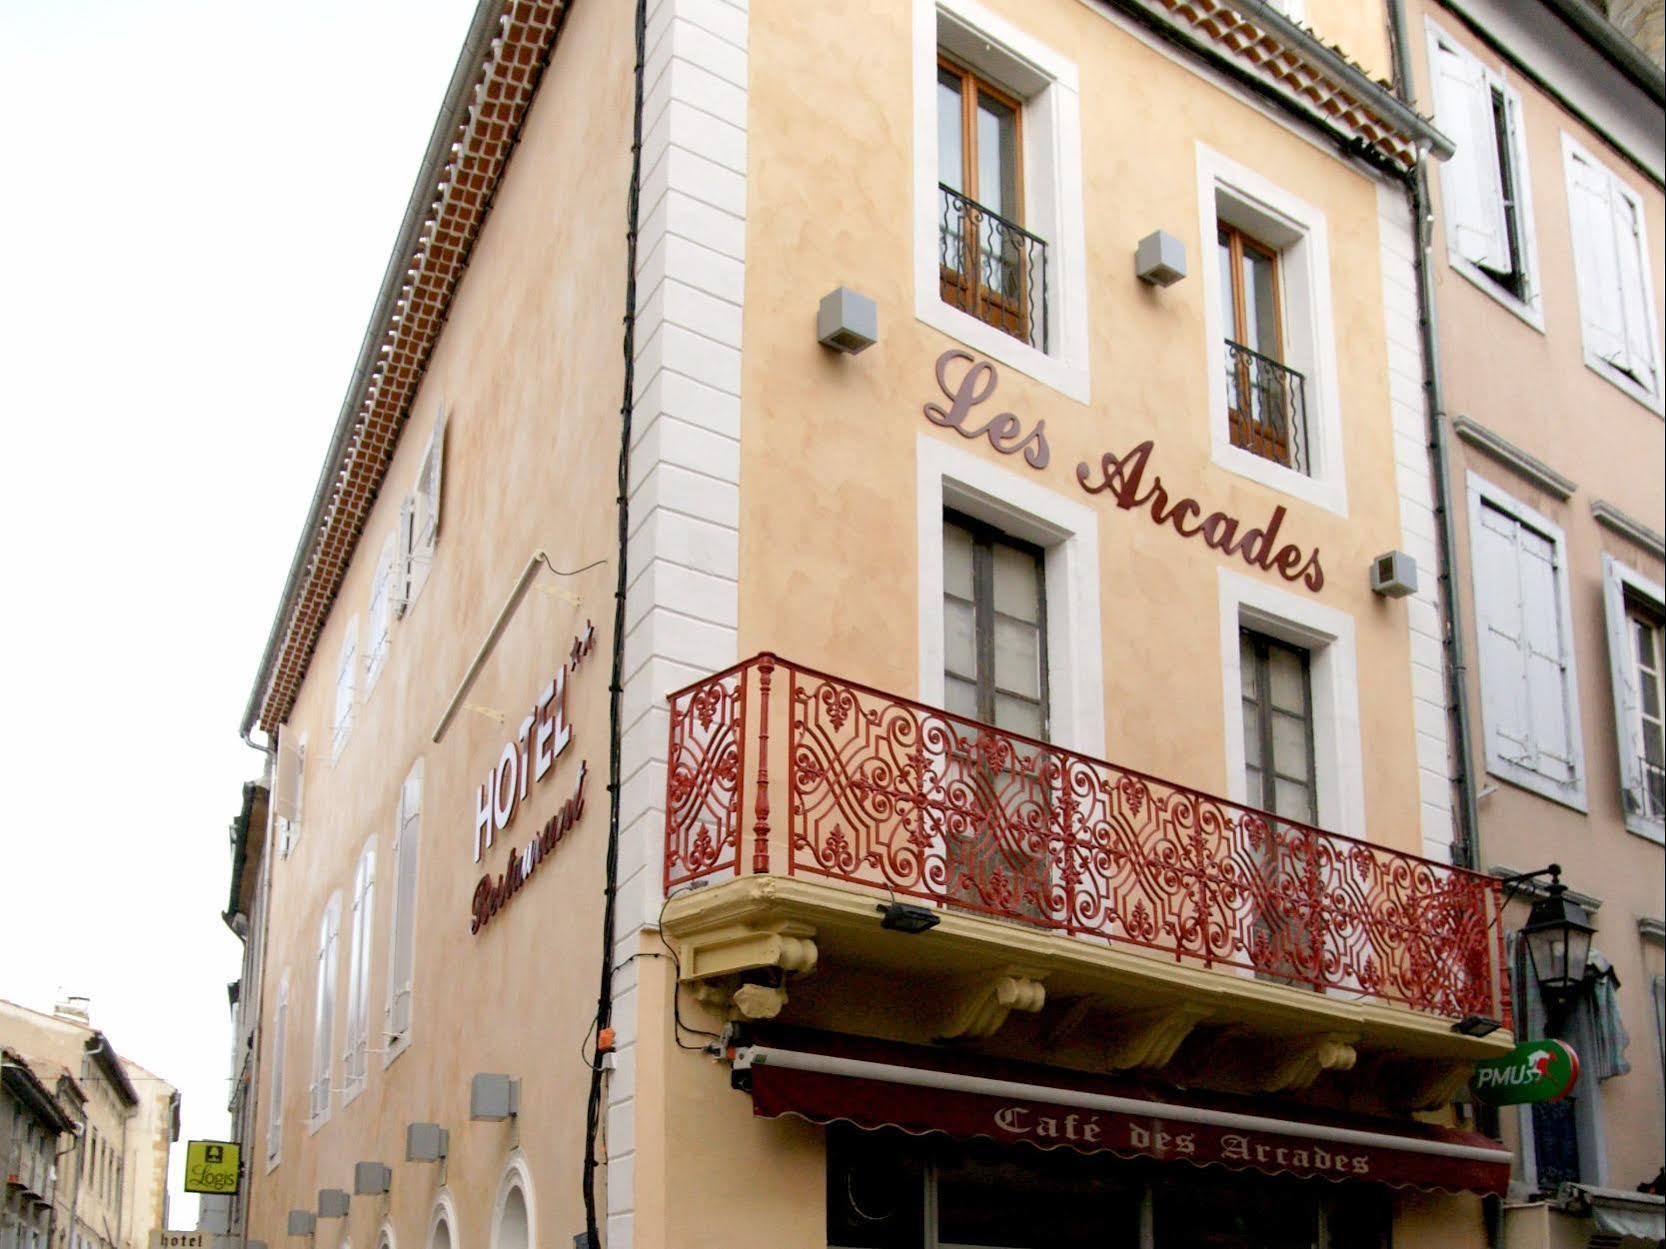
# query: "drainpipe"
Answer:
x=1466 y=847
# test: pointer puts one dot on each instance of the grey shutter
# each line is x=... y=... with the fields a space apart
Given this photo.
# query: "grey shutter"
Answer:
x=1623 y=674
x=1475 y=213
x=1504 y=705
x=402 y=935
x=274 y=1115
x=1630 y=248
x=1596 y=259
x=1545 y=655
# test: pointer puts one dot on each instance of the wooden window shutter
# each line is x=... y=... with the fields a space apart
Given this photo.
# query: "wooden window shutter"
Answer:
x=1499 y=609
x=1463 y=101
x=1623 y=674
x=1596 y=260
x=1544 y=654
x=274 y=1114
x=1629 y=243
x=402 y=937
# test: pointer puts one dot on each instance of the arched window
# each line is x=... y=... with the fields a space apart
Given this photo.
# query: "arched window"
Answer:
x=442 y=1224
x=512 y=1221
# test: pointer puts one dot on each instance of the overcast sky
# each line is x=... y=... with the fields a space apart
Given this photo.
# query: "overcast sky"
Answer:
x=197 y=207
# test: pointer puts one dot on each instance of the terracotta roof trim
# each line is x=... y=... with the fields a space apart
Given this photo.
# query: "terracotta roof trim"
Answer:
x=491 y=88
x=1319 y=77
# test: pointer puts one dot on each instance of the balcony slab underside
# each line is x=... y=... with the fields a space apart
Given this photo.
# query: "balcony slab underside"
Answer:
x=760 y=945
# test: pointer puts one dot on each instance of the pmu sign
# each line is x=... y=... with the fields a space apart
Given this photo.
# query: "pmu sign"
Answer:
x=1535 y=1071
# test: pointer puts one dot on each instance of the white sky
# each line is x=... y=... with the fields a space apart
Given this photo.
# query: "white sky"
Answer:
x=196 y=210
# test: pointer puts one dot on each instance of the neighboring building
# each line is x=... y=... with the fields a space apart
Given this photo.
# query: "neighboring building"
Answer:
x=833 y=908
x=1546 y=268
x=112 y=1188
x=33 y=1123
x=245 y=916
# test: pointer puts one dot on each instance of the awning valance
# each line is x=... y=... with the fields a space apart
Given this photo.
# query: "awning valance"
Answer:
x=899 y=1087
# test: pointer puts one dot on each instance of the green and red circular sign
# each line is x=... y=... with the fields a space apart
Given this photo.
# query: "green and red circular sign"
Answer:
x=1535 y=1071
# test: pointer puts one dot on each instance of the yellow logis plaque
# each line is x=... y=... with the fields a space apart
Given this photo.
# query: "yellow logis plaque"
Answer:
x=211 y=1166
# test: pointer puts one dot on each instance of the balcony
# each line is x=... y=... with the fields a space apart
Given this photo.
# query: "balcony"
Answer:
x=992 y=268
x=799 y=804
x=1266 y=407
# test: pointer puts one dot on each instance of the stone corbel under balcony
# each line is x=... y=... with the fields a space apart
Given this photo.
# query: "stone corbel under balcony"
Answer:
x=982 y=1002
x=742 y=941
x=738 y=964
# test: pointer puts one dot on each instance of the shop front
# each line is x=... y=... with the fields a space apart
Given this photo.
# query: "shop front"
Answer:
x=935 y=1149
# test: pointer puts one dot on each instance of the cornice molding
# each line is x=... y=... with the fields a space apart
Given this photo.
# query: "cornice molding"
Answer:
x=1507 y=453
x=1628 y=527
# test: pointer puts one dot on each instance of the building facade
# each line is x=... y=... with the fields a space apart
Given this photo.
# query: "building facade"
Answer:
x=112 y=1186
x=34 y=1119
x=795 y=452
x=1545 y=268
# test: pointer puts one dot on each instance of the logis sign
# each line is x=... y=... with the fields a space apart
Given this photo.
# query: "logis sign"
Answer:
x=543 y=737
x=969 y=383
x=1535 y=1071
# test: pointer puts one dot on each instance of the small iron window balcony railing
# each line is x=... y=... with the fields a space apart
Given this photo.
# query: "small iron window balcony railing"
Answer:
x=992 y=268
x=882 y=793
x=1266 y=407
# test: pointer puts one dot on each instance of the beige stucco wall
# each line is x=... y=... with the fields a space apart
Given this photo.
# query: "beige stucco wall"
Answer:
x=828 y=532
x=828 y=444
x=528 y=369
x=1535 y=390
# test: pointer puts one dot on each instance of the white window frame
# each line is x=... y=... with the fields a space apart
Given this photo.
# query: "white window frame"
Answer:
x=289 y=789
x=1620 y=583
x=952 y=478
x=444 y=1211
x=1327 y=635
x=403 y=912
x=1231 y=192
x=356 y=1056
x=1047 y=83
x=517 y=1176
x=381 y=613
x=1654 y=399
x=320 y=1095
x=346 y=691
x=1572 y=793
x=1530 y=308
x=275 y=1089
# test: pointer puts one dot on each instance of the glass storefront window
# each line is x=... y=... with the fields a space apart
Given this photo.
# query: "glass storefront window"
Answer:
x=890 y=1191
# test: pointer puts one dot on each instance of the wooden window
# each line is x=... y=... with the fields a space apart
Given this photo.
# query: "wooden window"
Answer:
x=1278 y=727
x=1647 y=651
x=323 y=1066
x=1611 y=259
x=994 y=626
x=1262 y=406
x=1526 y=692
x=356 y=1057
x=984 y=252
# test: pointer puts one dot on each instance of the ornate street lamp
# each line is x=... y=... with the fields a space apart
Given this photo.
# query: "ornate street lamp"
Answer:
x=1558 y=935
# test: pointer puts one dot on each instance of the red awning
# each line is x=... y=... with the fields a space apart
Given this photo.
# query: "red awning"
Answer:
x=894 y=1087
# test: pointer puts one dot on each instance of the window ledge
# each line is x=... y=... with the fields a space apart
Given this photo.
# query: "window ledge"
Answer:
x=1570 y=794
x=313 y=1125
x=272 y=1163
x=1529 y=311
x=1318 y=491
x=1624 y=382
x=1647 y=829
x=1070 y=380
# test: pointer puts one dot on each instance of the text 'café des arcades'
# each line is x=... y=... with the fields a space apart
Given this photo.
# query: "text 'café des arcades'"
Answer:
x=872 y=668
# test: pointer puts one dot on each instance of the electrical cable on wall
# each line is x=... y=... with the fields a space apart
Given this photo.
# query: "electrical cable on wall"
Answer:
x=604 y=997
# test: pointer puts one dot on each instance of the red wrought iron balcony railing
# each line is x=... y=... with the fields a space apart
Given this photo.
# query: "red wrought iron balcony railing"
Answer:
x=878 y=791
